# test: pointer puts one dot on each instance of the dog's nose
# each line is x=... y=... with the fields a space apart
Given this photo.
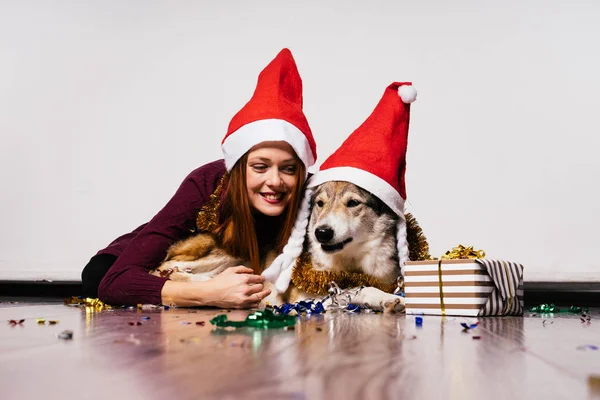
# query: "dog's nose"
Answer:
x=324 y=234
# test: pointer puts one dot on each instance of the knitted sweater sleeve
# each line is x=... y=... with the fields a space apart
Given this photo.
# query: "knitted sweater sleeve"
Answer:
x=128 y=282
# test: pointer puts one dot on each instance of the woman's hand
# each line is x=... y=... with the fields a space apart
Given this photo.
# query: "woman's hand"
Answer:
x=236 y=287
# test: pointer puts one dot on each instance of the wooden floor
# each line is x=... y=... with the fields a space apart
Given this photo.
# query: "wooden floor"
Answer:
x=331 y=356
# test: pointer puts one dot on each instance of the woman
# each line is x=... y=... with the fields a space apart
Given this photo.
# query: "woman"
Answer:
x=267 y=150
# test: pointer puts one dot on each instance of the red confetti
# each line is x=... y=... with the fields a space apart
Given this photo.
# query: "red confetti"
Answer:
x=476 y=337
x=201 y=323
x=135 y=323
x=14 y=322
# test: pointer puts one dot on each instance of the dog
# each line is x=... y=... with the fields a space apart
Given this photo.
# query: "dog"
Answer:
x=350 y=230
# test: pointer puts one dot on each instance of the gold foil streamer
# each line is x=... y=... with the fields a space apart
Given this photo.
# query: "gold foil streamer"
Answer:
x=462 y=252
x=305 y=278
x=88 y=302
x=418 y=247
x=208 y=216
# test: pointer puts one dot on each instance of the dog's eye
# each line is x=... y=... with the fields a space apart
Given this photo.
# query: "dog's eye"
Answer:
x=352 y=203
x=319 y=203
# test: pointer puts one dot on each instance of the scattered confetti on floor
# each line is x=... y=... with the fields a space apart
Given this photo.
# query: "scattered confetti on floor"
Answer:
x=66 y=335
x=586 y=347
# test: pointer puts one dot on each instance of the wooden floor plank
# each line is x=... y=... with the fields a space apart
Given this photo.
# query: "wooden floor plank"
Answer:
x=335 y=355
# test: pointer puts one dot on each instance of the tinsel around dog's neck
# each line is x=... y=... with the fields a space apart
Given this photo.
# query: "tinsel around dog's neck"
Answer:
x=309 y=280
x=304 y=276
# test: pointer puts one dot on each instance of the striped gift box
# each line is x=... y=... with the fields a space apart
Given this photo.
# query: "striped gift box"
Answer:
x=474 y=287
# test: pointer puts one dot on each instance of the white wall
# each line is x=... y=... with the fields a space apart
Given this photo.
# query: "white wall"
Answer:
x=105 y=106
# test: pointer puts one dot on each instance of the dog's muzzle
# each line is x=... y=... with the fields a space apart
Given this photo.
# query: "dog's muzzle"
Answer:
x=330 y=248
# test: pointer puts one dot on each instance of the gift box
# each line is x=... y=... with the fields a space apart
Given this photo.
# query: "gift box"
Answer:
x=472 y=287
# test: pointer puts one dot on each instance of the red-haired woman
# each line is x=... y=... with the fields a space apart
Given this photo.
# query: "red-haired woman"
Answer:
x=267 y=150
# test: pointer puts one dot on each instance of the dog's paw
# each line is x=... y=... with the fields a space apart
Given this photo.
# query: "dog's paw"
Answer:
x=273 y=299
x=370 y=297
x=181 y=276
x=174 y=273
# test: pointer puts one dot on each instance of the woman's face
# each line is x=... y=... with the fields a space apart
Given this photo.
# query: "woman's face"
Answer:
x=271 y=177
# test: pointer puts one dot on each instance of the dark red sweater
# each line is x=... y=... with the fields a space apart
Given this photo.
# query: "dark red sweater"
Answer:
x=128 y=282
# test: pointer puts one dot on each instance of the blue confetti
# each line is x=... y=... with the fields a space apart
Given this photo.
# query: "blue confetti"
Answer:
x=353 y=308
x=301 y=307
x=587 y=347
x=418 y=321
x=469 y=326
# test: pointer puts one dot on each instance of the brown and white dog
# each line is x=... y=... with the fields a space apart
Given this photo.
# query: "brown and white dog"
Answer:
x=352 y=230
x=349 y=230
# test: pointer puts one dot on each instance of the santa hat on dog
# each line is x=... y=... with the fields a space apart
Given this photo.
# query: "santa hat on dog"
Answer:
x=373 y=157
x=274 y=113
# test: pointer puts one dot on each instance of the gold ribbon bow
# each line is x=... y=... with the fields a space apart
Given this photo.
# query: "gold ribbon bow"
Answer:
x=462 y=252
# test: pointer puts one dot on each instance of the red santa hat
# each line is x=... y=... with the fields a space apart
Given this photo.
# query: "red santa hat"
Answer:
x=274 y=113
x=373 y=157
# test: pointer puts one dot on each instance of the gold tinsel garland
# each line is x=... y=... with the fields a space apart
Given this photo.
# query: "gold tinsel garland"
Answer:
x=208 y=216
x=304 y=276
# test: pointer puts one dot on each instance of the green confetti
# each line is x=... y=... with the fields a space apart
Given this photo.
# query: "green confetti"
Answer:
x=264 y=319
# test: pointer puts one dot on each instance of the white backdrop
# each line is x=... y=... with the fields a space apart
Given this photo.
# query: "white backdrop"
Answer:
x=105 y=106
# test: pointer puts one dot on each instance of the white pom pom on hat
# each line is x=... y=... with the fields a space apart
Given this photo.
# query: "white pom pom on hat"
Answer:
x=407 y=93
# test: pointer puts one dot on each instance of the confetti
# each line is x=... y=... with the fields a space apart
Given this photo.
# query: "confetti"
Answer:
x=264 y=319
x=146 y=318
x=469 y=326
x=587 y=347
x=201 y=323
x=40 y=321
x=585 y=318
x=419 y=321
x=87 y=302
x=301 y=307
x=190 y=340
x=66 y=335
x=185 y=322
x=353 y=308
x=476 y=337
x=551 y=308
x=52 y=322
x=135 y=323
x=319 y=329
x=15 y=322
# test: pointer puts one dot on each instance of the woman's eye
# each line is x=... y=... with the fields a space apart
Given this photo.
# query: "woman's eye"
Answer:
x=320 y=203
x=352 y=203
x=291 y=169
x=259 y=167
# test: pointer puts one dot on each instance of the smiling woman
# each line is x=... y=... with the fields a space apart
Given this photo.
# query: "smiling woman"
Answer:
x=254 y=194
x=272 y=176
